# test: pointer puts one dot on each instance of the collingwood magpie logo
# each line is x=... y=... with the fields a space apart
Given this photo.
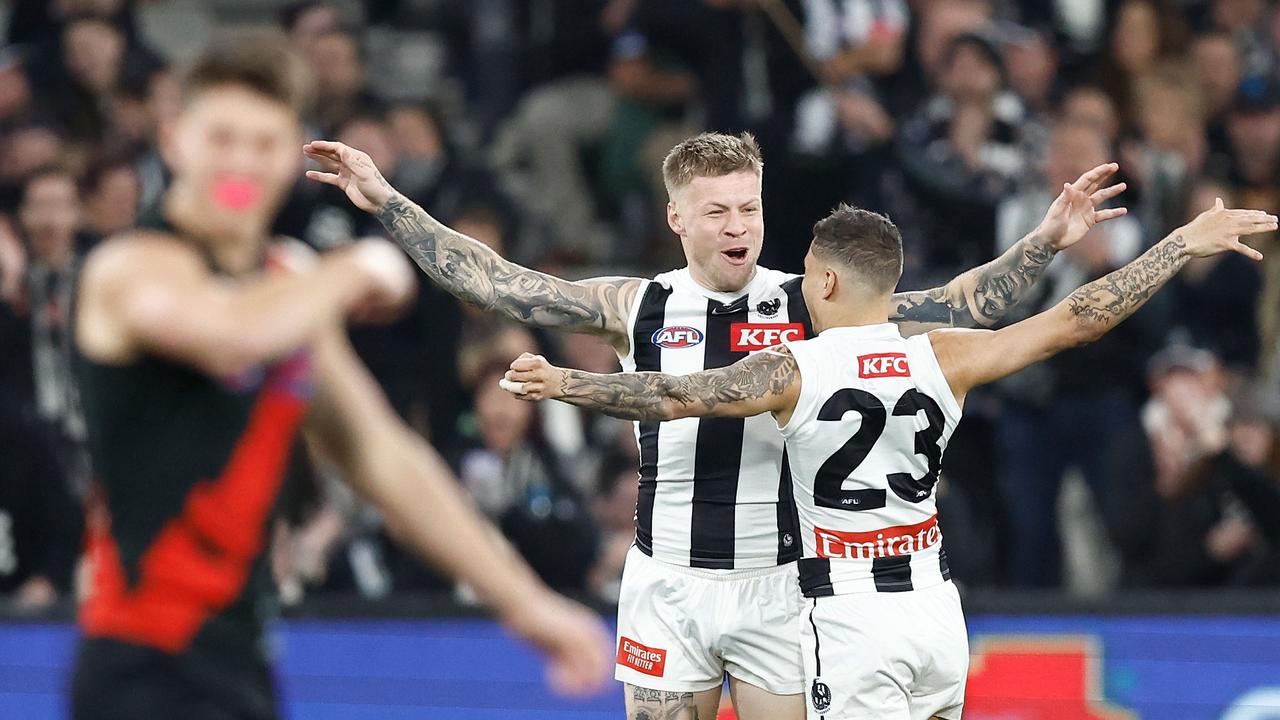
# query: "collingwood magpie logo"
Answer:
x=769 y=308
x=821 y=696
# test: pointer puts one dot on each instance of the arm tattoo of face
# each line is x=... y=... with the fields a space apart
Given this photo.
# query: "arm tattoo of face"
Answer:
x=996 y=287
x=662 y=705
x=1115 y=297
x=652 y=396
x=1002 y=282
x=477 y=275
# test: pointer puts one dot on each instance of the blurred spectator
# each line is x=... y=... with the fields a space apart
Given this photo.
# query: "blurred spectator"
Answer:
x=1216 y=64
x=1033 y=66
x=1178 y=512
x=1253 y=126
x=1167 y=147
x=112 y=193
x=1090 y=105
x=26 y=149
x=15 y=88
x=1063 y=414
x=49 y=220
x=516 y=480
x=307 y=21
x=1143 y=32
x=961 y=152
x=540 y=151
x=337 y=61
x=842 y=125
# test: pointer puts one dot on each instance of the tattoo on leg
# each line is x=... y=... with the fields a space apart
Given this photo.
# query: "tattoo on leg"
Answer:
x=662 y=705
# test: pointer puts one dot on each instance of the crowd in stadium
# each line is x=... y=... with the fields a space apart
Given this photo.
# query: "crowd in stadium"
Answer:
x=1150 y=459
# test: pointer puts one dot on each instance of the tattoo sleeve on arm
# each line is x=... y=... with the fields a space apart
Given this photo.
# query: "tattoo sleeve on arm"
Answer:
x=994 y=288
x=1103 y=303
x=740 y=389
x=478 y=275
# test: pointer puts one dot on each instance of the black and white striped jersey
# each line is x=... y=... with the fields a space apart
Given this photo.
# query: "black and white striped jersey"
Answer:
x=866 y=439
x=714 y=492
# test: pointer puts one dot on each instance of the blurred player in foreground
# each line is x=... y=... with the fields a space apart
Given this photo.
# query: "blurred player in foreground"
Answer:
x=867 y=415
x=208 y=351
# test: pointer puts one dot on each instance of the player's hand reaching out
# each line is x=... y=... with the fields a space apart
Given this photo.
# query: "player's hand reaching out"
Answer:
x=578 y=650
x=1075 y=211
x=531 y=377
x=1219 y=229
x=351 y=171
x=389 y=279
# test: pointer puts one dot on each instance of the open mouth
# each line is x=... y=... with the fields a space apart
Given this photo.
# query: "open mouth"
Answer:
x=736 y=256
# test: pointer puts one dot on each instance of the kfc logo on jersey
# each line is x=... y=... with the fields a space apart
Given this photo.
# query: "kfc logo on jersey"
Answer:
x=675 y=337
x=883 y=365
x=650 y=661
x=749 y=337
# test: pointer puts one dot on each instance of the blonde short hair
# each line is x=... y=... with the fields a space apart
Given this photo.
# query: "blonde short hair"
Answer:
x=710 y=155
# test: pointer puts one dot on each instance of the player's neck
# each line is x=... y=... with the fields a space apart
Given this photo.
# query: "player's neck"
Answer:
x=233 y=240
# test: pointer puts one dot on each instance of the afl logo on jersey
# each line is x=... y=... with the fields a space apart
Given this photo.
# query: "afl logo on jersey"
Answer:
x=675 y=337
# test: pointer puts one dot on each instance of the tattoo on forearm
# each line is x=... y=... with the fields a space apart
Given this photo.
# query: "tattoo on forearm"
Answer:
x=650 y=396
x=996 y=286
x=1005 y=280
x=477 y=275
x=662 y=705
x=1115 y=297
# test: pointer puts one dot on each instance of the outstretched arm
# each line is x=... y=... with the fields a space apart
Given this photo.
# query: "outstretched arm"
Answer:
x=974 y=357
x=981 y=296
x=469 y=269
x=767 y=381
x=351 y=423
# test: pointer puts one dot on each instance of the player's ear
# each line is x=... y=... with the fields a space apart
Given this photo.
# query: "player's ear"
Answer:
x=829 y=282
x=674 y=221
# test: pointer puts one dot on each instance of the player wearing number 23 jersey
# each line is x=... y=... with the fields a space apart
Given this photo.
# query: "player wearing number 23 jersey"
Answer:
x=866 y=415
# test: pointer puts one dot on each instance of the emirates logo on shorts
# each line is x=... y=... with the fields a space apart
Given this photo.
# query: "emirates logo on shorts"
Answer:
x=650 y=661
x=820 y=694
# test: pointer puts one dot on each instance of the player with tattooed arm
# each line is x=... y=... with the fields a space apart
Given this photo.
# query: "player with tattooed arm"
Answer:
x=715 y=521
x=867 y=414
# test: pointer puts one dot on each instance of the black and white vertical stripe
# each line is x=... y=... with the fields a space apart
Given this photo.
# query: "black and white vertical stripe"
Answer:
x=714 y=492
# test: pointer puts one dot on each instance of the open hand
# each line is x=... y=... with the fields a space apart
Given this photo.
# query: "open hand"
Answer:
x=573 y=639
x=1075 y=210
x=351 y=171
x=1219 y=229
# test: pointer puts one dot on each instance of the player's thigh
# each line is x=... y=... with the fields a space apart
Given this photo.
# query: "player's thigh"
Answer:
x=940 y=643
x=647 y=704
x=760 y=639
x=755 y=703
x=667 y=628
x=854 y=668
